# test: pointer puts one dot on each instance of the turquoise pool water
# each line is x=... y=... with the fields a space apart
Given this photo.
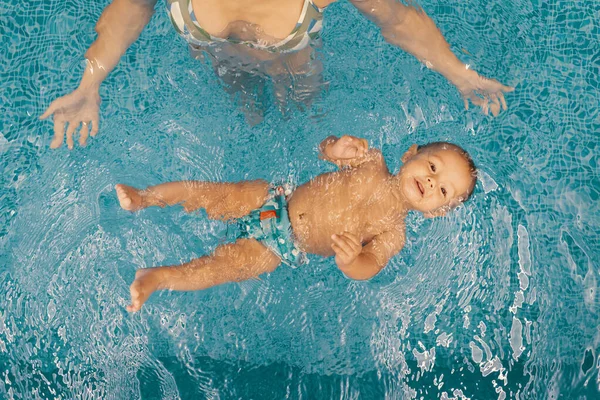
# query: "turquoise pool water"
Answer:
x=498 y=300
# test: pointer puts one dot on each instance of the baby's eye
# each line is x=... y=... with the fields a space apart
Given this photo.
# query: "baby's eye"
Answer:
x=444 y=192
x=432 y=166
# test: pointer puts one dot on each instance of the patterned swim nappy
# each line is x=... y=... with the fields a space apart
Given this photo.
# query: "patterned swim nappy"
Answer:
x=271 y=226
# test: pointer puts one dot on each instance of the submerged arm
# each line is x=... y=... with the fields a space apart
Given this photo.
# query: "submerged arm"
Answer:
x=412 y=30
x=119 y=26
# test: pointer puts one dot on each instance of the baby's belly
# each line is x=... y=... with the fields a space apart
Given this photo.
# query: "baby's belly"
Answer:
x=314 y=221
x=309 y=237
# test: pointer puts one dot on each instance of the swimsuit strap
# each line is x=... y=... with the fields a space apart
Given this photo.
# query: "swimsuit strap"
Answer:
x=181 y=12
x=307 y=28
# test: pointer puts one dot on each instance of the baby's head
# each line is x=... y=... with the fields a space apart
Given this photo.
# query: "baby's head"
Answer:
x=436 y=177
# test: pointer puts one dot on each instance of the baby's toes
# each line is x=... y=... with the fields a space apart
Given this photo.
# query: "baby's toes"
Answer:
x=124 y=199
x=134 y=290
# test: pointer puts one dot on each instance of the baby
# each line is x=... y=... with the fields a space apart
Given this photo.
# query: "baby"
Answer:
x=355 y=214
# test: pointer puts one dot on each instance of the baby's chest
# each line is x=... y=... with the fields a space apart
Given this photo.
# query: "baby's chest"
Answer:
x=370 y=222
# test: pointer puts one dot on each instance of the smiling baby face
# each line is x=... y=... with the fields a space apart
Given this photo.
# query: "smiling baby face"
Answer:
x=436 y=177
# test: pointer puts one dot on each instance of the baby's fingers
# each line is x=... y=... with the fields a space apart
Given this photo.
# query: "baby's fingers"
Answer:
x=363 y=147
x=345 y=140
x=340 y=255
x=352 y=238
x=344 y=248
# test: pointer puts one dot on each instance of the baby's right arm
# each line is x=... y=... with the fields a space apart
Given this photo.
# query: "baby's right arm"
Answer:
x=348 y=151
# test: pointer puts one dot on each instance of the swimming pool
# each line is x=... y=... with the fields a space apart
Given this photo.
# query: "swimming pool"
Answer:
x=497 y=300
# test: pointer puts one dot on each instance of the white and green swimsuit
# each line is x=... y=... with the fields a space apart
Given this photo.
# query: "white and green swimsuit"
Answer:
x=307 y=28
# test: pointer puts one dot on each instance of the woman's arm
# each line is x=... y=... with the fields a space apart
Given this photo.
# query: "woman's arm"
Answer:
x=412 y=30
x=118 y=27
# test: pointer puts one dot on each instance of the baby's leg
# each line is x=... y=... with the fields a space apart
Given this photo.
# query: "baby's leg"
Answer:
x=244 y=259
x=221 y=200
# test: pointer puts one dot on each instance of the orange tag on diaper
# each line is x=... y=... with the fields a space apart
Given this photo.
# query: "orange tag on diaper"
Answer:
x=268 y=214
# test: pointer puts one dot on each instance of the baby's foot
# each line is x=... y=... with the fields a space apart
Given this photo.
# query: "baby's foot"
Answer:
x=130 y=198
x=146 y=282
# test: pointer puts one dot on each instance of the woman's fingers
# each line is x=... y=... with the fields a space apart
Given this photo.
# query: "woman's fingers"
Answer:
x=83 y=134
x=489 y=96
x=59 y=134
x=70 y=131
x=51 y=109
x=95 y=126
x=495 y=106
x=502 y=100
x=478 y=101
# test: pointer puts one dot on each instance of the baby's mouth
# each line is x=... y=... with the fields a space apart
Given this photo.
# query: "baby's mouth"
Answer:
x=420 y=187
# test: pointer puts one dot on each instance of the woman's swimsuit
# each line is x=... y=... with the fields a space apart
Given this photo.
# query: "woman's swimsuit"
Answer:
x=307 y=28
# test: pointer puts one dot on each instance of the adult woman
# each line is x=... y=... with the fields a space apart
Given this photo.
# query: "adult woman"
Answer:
x=257 y=34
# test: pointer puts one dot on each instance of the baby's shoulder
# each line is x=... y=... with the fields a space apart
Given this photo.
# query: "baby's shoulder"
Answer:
x=374 y=163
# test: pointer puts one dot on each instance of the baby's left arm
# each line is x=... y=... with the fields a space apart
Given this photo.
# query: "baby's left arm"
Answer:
x=364 y=262
x=348 y=151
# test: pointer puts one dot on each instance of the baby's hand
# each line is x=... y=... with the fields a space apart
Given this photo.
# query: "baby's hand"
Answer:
x=346 y=247
x=346 y=148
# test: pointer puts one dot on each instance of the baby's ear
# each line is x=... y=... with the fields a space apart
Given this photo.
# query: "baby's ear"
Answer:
x=410 y=153
x=440 y=212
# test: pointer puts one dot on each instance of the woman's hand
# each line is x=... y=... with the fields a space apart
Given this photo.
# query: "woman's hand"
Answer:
x=483 y=92
x=78 y=107
x=347 y=148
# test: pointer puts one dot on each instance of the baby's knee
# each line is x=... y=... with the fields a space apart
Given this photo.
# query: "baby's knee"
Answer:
x=254 y=256
x=245 y=197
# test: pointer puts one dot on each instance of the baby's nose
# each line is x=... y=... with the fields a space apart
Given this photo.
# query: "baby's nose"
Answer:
x=431 y=182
